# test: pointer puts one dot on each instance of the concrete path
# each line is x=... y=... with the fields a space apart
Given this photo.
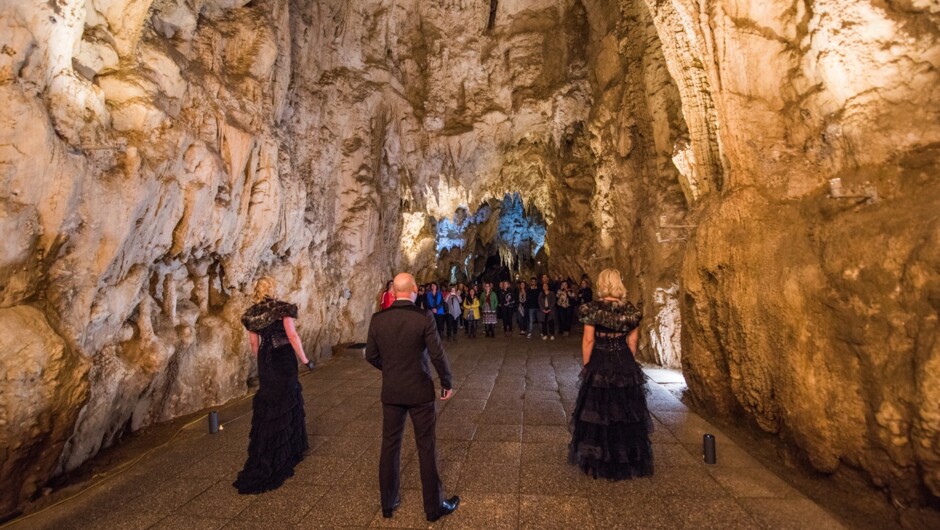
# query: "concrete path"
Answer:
x=502 y=442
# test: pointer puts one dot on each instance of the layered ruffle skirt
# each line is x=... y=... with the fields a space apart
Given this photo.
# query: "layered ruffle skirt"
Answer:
x=611 y=420
x=278 y=438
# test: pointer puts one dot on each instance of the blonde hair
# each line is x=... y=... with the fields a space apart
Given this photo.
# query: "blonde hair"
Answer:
x=265 y=287
x=609 y=285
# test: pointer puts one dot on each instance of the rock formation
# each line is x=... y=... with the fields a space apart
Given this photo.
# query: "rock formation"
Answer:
x=815 y=316
x=159 y=155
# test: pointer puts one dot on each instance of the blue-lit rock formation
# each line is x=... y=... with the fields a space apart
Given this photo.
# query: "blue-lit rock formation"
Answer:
x=502 y=227
x=452 y=233
x=519 y=235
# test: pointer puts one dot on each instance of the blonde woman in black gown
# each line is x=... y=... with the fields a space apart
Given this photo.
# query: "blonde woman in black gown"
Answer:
x=612 y=423
x=278 y=437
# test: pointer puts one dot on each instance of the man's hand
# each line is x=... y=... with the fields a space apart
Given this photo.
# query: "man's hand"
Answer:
x=446 y=393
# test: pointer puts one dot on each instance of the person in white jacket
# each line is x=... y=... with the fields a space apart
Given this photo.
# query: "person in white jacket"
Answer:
x=452 y=311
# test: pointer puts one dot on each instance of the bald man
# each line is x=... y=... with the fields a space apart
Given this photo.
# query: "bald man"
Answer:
x=402 y=339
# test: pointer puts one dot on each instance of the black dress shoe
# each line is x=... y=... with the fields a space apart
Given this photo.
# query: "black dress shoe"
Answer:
x=391 y=511
x=447 y=508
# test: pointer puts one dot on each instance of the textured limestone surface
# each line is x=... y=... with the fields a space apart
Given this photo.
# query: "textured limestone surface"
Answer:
x=158 y=155
x=816 y=316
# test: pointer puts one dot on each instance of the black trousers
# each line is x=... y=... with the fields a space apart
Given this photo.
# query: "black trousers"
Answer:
x=508 y=314
x=548 y=323
x=564 y=319
x=451 y=322
x=423 y=419
x=471 y=328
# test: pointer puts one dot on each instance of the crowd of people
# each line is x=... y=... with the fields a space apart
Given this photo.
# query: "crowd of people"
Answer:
x=542 y=306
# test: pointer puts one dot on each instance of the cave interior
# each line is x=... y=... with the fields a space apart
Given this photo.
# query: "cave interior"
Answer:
x=763 y=174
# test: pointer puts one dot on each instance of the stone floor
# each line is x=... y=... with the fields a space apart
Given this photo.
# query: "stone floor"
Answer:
x=502 y=442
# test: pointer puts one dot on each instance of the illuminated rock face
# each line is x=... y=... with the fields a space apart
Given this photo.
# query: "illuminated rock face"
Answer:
x=159 y=155
x=816 y=317
x=154 y=162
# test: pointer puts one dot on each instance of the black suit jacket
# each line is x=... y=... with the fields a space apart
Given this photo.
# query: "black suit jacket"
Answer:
x=401 y=340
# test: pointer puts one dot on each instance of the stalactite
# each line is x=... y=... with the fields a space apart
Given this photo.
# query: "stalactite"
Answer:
x=145 y=319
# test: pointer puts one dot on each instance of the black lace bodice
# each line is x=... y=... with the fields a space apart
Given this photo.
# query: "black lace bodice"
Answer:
x=266 y=319
x=610 y=318
x=268 y=311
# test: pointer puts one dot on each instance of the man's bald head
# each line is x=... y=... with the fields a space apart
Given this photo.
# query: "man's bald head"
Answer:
x=405 y=286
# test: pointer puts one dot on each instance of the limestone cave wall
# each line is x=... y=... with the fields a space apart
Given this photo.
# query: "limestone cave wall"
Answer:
x=815 y=316
x=159 y=155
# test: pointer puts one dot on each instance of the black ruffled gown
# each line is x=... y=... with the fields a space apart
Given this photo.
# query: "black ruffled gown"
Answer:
x=612 y=424
x=278 y=438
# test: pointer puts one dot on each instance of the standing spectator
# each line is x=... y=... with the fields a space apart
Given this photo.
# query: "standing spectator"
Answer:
x=575 y=299
x=547 y=311
x=489 y=303
x=509 y=308
x=499 y=289
x=545 y=278
x=471 y=312
x=388 y=296
x=585 y=294
x=522 y=316
x=532 y=305
x=462 y=291
x=435 y=304
x=421 y=301
x=452 y=310
x=563 y=299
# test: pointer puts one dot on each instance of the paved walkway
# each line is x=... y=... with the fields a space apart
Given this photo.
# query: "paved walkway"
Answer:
x=502 y=442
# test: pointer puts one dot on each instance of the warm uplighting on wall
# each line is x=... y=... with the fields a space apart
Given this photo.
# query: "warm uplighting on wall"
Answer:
x=683 y=159
x=412 y=223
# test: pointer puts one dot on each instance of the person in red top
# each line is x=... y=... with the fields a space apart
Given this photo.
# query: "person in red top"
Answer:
x=388 y=296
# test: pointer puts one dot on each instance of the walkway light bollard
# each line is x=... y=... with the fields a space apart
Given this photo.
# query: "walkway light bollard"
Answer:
x=708 y=448
x=213 y=422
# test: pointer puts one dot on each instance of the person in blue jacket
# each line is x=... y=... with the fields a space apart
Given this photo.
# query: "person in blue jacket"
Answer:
x=435 y=304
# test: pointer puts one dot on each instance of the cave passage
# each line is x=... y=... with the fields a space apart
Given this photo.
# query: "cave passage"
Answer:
x=502 y=238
